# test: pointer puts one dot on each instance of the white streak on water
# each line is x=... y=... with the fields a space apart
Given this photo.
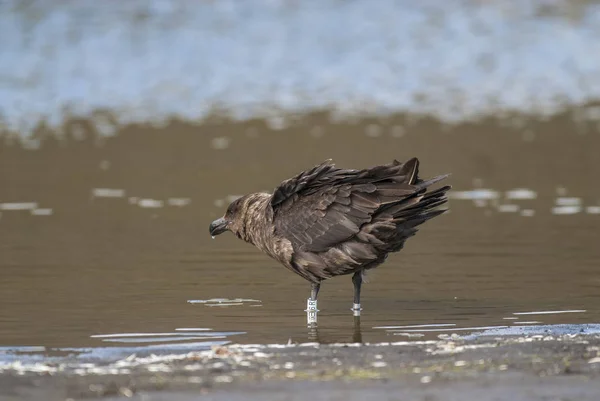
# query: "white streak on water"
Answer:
x=108 y=193
x=23 y=348
x=221 y=300
x=521 y=194
x=416 y=326
x=18 y=206
x=150 y=203
x=550 y=312
x=561 y=210
x=508 y=208
x=561 y=191
x=486 y=194
x=42 y=212
x=220 y=143
x=160 y=339
x=457 y=329
x=480 y=202
x=178 y=202
x=593 y=209
x=192 y=329
x=568 y=201
x=118 y=335
x=410 y=335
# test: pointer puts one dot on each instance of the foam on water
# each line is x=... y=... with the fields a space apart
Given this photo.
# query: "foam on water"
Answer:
x=191 y=57
x=545 y=330
x=420 y=330
x=476 y=328
x=530 y=322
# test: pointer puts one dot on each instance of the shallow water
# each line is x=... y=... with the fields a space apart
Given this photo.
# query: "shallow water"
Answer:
x=104 y=247
x=121 y=247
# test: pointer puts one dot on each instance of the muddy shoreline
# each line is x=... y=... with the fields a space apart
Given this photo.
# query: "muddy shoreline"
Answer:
x=534 y=367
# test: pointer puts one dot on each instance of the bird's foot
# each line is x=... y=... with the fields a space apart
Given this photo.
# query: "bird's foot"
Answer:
x=311 y=311
x=356 y=309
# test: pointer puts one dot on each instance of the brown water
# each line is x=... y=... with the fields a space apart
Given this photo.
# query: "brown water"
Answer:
x=96 y=264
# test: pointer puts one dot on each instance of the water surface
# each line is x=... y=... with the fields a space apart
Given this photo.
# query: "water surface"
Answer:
x=123 y=245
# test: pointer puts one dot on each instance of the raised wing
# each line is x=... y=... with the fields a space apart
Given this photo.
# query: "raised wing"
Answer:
x=325 y=206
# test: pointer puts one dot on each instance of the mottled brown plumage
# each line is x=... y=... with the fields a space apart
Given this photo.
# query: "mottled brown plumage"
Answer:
x=328 y=221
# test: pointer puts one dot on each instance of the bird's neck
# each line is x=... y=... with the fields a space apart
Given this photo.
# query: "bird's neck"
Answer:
x=257 y=227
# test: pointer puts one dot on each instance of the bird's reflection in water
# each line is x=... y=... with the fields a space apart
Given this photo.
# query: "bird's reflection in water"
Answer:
x=313 y=332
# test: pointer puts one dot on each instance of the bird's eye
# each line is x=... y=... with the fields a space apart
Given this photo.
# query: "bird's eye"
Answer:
x=232 y=208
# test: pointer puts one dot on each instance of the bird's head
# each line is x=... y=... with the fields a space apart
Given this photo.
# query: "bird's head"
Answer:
x=231 y=220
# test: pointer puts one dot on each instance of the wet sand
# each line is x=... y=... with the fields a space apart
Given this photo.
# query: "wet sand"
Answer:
x=534 y=368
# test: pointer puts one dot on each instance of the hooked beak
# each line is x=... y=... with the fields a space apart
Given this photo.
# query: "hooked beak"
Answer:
x=219 y=226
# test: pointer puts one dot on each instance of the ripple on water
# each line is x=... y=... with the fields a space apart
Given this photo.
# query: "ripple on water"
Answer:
x=180 y=336
x=420 y=330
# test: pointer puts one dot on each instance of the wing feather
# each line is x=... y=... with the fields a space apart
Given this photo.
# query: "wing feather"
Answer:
x=325 y=206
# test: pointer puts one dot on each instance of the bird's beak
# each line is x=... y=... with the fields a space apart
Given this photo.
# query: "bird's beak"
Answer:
x=219 y=226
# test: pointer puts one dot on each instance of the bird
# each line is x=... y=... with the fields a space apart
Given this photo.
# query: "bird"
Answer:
x=327 y=221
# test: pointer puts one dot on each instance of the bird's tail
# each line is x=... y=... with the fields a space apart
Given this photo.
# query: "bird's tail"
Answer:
x=409 y=213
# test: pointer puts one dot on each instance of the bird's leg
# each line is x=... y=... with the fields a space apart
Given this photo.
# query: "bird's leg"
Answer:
x=311 y=304
x=357 y=281
x=357 y=335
